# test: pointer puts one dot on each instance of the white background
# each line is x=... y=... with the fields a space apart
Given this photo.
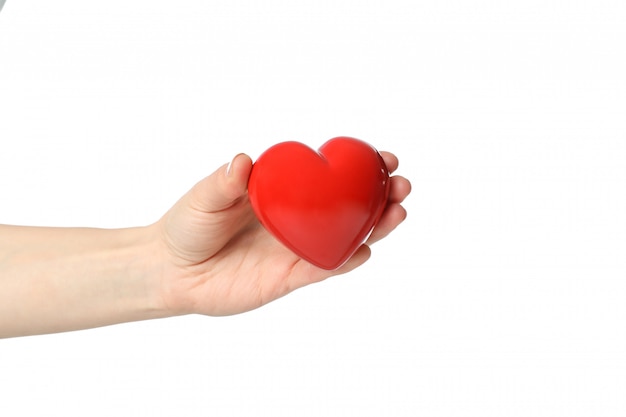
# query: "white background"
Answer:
x=503 y=293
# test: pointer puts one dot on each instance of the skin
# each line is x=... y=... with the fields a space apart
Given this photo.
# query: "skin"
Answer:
x=207 y=255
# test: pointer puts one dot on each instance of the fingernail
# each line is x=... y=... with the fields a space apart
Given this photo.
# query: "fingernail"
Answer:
x=228 y=168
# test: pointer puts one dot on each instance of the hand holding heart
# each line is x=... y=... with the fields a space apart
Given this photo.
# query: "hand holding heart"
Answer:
x=219 y=260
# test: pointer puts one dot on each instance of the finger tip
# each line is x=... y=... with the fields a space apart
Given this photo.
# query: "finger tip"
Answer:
x=244 y=158
x=236 y=174
x=240 y=162
x=406 y=188
x=391 y=160
x=400 y=189
x=239 y=168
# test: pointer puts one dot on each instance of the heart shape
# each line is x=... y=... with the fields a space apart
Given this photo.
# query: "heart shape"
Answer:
x=321 y=205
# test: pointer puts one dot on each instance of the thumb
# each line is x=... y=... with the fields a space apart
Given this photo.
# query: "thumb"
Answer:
x=224 y=187
x=207 y=216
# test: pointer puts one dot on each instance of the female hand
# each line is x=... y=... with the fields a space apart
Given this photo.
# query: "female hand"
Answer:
x=219 y=260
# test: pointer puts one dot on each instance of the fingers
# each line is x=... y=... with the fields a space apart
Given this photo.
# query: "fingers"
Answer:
x=399 y=189
x=390 y=160
x=394 y=213
x=400 y=186
x=238 y=170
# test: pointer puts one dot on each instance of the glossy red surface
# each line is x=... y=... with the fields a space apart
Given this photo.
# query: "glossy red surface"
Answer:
x=321 y=205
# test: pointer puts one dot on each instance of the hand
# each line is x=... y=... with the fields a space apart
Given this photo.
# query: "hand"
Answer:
x=219 y=260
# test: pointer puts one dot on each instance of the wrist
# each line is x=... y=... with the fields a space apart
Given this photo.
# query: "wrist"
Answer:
x=140 y=248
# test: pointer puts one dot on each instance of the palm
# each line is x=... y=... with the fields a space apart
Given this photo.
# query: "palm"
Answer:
x=255 y=269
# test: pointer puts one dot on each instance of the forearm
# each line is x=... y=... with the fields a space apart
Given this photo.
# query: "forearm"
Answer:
x=56 y=279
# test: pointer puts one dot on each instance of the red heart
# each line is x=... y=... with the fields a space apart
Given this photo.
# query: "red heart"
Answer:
x=322 y=205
